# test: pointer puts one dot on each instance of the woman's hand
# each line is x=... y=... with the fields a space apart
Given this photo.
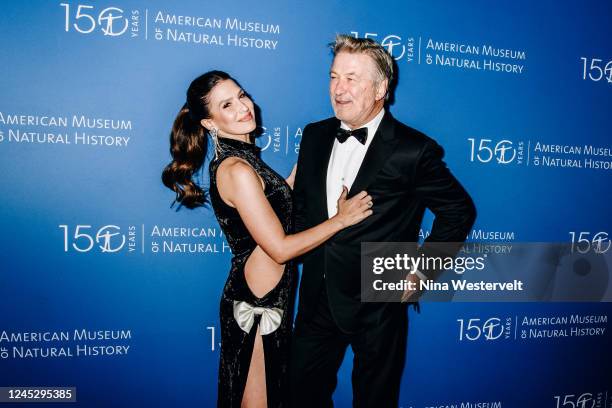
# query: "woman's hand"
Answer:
x=354 y=210
x=291 y=179
x=242 y=188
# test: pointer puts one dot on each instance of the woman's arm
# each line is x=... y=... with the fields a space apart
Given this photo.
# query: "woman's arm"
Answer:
x=240 y=187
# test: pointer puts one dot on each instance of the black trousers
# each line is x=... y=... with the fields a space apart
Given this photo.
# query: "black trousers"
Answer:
x=318 y=348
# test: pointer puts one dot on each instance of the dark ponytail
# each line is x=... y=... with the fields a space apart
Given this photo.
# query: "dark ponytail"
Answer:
x=189 y=142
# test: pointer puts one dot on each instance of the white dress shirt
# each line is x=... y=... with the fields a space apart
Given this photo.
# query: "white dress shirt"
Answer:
x=345 y=161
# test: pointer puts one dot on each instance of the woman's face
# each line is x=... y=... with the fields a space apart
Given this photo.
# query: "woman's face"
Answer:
x=231 y=110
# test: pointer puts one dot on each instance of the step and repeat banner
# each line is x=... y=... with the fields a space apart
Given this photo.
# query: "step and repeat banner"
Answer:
x=111 y=294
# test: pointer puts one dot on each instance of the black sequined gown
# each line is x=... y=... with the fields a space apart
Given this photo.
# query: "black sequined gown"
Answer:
x=236 y=343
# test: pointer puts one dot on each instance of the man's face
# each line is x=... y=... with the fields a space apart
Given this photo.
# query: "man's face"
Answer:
x=356 y=94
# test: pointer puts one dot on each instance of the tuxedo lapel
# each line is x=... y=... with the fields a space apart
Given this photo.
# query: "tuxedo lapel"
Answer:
x=324 y=150
x=382 y=146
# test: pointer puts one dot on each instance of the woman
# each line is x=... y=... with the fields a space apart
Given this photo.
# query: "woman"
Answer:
x=254 y=208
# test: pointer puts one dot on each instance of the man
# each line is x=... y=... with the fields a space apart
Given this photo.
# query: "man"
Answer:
x=403 y=171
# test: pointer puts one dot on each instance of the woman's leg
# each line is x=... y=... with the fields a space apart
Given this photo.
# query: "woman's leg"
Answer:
x=255 y=395
x=262 y=275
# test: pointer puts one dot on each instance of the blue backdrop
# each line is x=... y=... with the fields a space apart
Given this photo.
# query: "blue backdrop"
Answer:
x=104 y=288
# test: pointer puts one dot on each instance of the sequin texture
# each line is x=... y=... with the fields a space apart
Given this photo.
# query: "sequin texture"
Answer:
x=236 y=344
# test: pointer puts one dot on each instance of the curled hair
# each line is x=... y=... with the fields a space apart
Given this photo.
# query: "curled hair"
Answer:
x=189 y=142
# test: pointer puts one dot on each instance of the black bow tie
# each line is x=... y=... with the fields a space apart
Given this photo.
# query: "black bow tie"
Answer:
x=360 y=134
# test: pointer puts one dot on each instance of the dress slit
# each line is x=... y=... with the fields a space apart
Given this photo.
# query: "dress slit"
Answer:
x=237 y=344
x=263 y=348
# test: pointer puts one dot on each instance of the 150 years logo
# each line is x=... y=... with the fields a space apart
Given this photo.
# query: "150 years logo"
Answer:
x=396 y=46
x=503 y=151
x=584 y=242
x=593 y=69
x=493 y=328
x=85 y=19
x=107 y=238
x=584 y=400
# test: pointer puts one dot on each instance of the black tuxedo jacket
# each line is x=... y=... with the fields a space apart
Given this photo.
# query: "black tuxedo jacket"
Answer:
x=404 y=173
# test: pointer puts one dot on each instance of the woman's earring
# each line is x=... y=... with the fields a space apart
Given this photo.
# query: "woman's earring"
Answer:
x=214 y=134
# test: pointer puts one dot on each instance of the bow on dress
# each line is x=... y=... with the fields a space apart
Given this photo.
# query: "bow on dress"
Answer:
x=245 y=313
